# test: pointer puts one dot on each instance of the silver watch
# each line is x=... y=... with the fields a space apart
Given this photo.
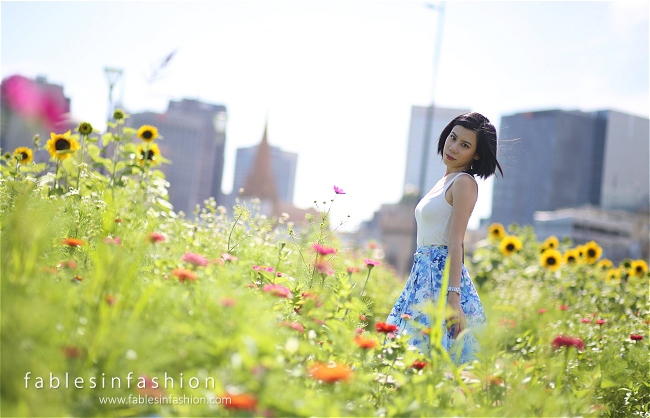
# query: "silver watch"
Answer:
x=453 y=289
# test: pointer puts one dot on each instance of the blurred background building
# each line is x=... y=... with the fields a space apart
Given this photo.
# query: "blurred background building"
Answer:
x=584 y=175
x=260 y=172
x=283 y=167
x=194 y=138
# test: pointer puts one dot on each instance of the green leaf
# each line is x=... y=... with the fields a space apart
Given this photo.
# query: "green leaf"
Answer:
x=107 y=138
x=606 y=383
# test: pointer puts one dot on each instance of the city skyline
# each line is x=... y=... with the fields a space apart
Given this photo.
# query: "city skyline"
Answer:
x=337 y=80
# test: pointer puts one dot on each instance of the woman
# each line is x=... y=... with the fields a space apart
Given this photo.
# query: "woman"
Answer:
x=468 y=148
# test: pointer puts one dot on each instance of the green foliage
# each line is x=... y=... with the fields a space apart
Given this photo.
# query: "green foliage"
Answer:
x=247 y=306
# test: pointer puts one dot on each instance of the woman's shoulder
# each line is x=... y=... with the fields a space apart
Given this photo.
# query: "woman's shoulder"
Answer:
x=465 y=181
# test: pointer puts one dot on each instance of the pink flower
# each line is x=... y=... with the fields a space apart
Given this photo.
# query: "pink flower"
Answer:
x=323 y=268
x=636 y=337
x=28 y=99
x=563 y=307
x=277 y=290
x=263 y=268
x=585 y=320
x=293 y=325
x=600 y=321
x=114 y=241
x=565 y=341
x=323 y=250
x=229 y=257
x=155 y=237
x=541 y=311
x=228 y=302
x=362 y=317
x=405 y=316
x=195 y=259
x=338 y=190
x=252 y=286
x=371 y=263
x=353 y=270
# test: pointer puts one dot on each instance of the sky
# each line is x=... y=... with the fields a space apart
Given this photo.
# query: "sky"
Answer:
x=336 y=79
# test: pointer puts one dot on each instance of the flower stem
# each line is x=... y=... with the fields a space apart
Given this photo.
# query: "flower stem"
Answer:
x=363 y=290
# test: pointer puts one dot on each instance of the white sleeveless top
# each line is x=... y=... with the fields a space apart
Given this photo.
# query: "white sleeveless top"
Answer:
x=433 y=213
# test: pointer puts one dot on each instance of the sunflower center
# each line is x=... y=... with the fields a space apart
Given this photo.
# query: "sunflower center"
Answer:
x=62 y=144
x=571 y=259
x=147 y=134
x=510 y=247
x=551 y=261
x=23 y=156
x=591 y=252
x=639 y=269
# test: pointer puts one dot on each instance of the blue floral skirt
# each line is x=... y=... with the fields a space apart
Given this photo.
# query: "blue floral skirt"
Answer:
x=423 y=288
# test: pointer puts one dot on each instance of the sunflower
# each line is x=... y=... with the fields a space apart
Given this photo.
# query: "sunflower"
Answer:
x=551 y=259
x=147 y=133
x=572 y=256
x=85 y=128
x=510 y=244
x=605 y=264
x=582 y=251
x=551 y=243
x=23 y=155
x=496 y=231
x=118 y=114
x=592 y=252
x=639 y=268
x=61 y=146
x=149 y=154
x=613 y=274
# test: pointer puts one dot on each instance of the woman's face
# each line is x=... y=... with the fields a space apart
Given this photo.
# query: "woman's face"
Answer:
x=460 y=149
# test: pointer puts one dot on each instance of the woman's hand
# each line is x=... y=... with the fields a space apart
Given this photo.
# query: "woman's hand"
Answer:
x=457 y=319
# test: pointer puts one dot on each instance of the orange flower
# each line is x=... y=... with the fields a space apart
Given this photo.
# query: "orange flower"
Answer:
x=184 y=274
x=330 y=374
x=72 y=242
x=243 y=401
x=365 y=343
x=385 y=328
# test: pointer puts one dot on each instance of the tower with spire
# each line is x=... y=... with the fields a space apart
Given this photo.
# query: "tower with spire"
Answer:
x=268 y=174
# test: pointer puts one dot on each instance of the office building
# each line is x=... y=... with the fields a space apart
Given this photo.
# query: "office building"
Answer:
x=194 y=140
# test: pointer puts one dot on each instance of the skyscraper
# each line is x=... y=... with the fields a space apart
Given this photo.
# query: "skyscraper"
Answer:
x=194 y=140
x=283 y=168
x=435 y=168
x=564 y=159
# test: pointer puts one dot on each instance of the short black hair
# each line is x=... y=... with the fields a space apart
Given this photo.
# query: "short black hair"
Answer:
x=486 y=143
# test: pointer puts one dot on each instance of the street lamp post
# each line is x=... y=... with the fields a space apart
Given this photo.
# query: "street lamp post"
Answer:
x=430 y=109
x=113 y=75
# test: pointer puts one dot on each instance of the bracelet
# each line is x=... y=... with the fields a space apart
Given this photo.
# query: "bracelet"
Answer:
x=453 y=289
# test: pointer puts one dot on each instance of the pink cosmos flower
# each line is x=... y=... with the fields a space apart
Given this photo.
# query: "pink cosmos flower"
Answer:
x=155 y=237
x=323 y=250
x=195 y=259
x=114 y=241
x=229 y=257
x=338 y=190
x=277 y=290
x=566 y=341
x=600 y=321
x=30 y=100
x=585 y=320
x=542 y=310
x=371 y=263
x=563 y=307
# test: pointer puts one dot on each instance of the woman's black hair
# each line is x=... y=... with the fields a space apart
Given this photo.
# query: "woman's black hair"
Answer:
x=486 y=143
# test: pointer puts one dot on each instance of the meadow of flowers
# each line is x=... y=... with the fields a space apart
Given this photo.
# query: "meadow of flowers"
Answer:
x=108 y=295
